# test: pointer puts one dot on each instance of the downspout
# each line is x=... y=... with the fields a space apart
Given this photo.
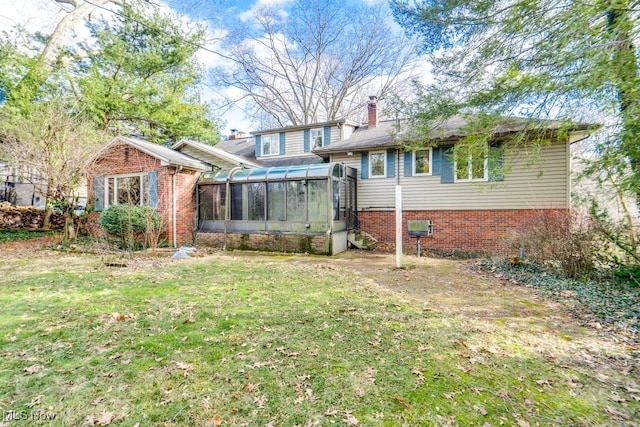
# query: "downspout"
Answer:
x=174 y=203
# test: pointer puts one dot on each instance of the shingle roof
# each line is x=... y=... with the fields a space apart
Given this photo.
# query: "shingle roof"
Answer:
x=303 y=159
x=166 y=155
x=244 y=147
x=218 y=152
x=390 y=132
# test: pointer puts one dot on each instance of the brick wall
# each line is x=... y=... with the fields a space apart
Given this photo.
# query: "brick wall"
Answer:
x=465 y=231
x=315 y=244
x=125 y=159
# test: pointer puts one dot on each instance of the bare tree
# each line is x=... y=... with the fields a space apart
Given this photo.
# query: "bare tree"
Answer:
x=319 y=62
x=56 y=42
x=55 y=145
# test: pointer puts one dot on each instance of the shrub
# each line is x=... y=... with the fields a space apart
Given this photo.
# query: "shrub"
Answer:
x=134 y=226
x=559 y=241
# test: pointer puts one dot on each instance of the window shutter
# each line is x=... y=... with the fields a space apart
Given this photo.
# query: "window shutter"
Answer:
x=408 y=163
x=446 y=165
x=258 y=145
x=282 y=148
x=326 y=139
x=98 y=192
x=307 y=138
x=152 y=182
x=496 y=163
x=391 y=163
x=364 y=165
x=436 y=162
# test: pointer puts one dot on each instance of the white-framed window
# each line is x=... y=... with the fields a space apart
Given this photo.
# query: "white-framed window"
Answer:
x=476 y=167
x=130 y=189
x=422 y=161
x=270 y=145
x=317 y=138
x=378 y=164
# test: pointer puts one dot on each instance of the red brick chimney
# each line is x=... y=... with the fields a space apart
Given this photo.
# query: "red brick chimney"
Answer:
x=372 y=111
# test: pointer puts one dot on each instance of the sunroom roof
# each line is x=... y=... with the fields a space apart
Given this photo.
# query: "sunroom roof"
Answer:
x=276 y=173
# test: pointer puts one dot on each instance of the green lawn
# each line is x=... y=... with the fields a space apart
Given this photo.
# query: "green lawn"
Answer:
x=278 y=341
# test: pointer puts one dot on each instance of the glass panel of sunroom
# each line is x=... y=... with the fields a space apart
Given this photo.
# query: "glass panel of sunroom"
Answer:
x=256 y=200
x=296 y=201
x=276 y=201
x=237 y=211
x=318 y=199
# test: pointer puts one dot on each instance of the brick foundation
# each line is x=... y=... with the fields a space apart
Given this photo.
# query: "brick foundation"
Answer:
x=313 y=244
x=473 y=231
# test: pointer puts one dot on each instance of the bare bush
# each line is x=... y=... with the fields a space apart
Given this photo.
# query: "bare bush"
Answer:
x=560 y=241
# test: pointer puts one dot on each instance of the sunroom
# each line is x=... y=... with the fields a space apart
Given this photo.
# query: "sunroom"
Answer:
x=307 y=208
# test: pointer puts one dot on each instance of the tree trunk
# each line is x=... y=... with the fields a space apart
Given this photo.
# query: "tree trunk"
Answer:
x=626 y=80
x=69 y=226
x=46 y=223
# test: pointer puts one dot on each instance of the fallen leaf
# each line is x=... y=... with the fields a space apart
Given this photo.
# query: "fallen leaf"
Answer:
x=523 y=423
x=186 y=367
x=97 y=400
x=462 y=343
x=33 y=369
x=350 y=420
x=617 y=398
x=260 y=401
x=105 y=418
x=206 y=402
x=217 y=421
x=401 y=401
x=481 y=410
x=35 y=401
x=617 y=413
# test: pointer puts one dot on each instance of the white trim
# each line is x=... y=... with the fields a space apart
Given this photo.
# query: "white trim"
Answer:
x=144 y=189
x=384 y=164
x=470 y=169
x=313 y=139
x=274 y=144
x=413 y=164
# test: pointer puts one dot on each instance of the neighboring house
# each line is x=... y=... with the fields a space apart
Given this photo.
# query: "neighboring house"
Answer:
x=22 y=188
x=309 y=187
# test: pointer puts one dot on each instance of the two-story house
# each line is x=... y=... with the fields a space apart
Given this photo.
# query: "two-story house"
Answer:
x=307 y=187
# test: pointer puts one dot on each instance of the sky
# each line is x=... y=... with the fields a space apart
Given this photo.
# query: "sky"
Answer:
x=43 y=16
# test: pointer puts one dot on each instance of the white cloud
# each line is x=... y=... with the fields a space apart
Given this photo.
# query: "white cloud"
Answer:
x=249 y=14
x=37 y=15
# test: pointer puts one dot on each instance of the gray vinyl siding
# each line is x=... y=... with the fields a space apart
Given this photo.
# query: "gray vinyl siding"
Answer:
x=294 y=142
x=545 y=185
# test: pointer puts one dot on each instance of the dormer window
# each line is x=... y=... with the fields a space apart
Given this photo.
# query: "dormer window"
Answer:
x=317 y=139
x=270 y=145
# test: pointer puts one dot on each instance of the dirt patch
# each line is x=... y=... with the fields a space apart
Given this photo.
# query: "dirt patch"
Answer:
x=21 y=248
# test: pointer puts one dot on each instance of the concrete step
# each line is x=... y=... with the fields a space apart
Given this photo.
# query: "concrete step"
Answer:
x=362 y=240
